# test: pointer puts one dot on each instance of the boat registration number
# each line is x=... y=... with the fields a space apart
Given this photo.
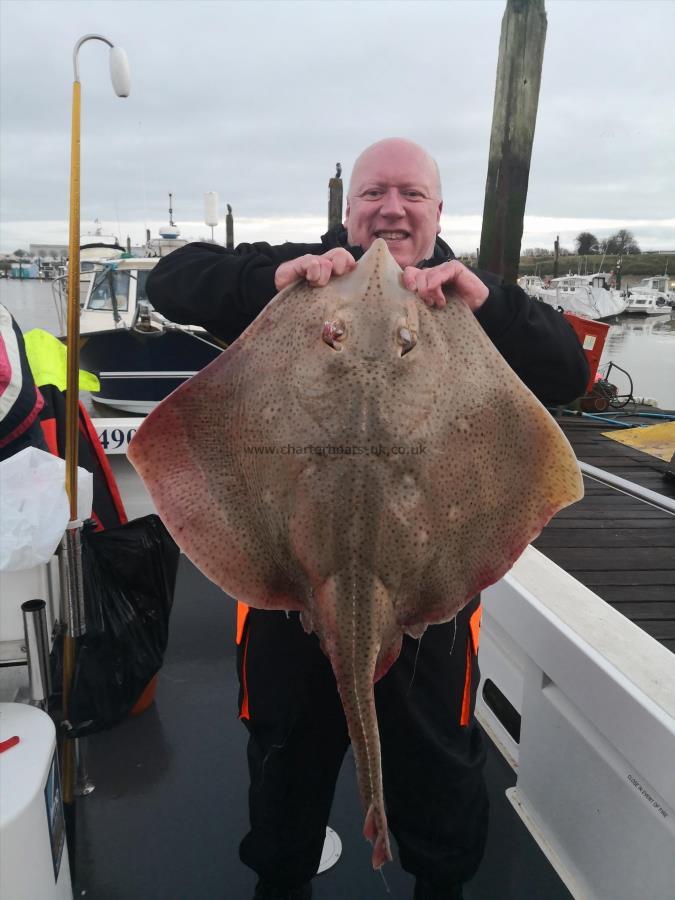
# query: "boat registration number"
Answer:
x=115 y=434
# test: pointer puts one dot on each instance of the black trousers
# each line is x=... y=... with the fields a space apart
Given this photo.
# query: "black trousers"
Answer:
x=435 y=796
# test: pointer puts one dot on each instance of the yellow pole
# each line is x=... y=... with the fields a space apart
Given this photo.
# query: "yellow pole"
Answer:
x=72 y=413
x=73 y=327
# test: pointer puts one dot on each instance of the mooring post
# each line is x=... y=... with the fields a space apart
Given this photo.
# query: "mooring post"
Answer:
x=335 y=198
x=521 y=54
x=229 y=228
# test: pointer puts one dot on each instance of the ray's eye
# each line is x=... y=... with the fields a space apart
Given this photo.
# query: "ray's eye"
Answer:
x=407 y=339
x=333 y=333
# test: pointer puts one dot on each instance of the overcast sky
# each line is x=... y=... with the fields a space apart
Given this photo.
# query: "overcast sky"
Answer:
x=258 y=100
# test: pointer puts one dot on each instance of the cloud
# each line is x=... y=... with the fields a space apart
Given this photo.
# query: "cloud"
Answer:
x=258 y=101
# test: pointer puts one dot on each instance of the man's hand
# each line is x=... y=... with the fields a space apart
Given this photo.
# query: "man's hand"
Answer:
x=454 y=277
x=316 y=270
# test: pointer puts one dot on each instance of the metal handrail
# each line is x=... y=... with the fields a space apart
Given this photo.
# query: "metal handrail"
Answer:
x=667 y=504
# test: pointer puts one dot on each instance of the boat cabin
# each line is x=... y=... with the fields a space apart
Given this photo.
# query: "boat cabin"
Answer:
x=117 y=289
x=575 y=282
x=657 y=283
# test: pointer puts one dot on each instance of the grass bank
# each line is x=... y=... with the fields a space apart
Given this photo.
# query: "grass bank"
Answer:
x=640 y=265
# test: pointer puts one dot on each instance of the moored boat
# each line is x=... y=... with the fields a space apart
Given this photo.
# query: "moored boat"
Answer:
x=138 y=355
x=661 y=286
x=652 y=296
x=584 y=295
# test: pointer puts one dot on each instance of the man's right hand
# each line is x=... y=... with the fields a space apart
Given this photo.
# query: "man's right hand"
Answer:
x=316 y=270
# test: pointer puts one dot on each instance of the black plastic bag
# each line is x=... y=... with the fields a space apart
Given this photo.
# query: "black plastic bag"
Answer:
x=129 y=575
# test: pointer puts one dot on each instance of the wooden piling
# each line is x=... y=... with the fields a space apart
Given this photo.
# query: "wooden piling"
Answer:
x=229 y=228
x=521 y=54
x=335 y=198
x=556 y=255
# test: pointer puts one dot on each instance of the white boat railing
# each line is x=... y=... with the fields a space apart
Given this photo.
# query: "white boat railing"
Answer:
x=595 y=758
x=667 y=504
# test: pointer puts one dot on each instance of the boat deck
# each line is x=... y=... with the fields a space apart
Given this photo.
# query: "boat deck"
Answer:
x=620 y=547
x=170 y=804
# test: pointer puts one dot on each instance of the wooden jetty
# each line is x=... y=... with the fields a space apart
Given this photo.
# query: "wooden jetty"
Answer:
x=620 y=547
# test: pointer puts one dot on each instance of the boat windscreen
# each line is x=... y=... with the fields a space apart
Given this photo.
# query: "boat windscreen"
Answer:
x=105 y=283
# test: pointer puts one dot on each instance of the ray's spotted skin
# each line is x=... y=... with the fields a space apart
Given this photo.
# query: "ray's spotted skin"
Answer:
x=365 y=460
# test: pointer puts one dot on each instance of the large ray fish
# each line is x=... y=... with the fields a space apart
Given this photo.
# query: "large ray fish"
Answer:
x=363 y=459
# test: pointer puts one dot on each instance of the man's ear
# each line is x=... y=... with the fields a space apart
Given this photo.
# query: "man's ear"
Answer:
x=346 y=214
x=438 y=217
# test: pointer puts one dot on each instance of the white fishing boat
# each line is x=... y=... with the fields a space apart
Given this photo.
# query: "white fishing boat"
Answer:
x=647 y=305
x=657 y=286
x=138 y=355
x=532 y=284
x=652 y=296
x=584 y=295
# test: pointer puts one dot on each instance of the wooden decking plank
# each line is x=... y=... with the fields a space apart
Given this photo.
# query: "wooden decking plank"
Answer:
x=618 y=538
x=644 y=511
x=637 y=558
x=558 y=523
x=617 y=501
x=620 y=547
x=597 y=578
x=643 y=605
x=659 y=630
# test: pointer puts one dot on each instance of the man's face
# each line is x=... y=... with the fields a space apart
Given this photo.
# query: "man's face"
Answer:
x=394 y=194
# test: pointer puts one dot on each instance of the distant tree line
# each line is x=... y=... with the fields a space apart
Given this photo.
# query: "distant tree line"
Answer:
x=545 y=251
x=587 y=244
x=623 y=242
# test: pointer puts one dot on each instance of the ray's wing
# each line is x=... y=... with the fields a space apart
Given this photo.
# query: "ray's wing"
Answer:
x=211 y=455
x=497 y=469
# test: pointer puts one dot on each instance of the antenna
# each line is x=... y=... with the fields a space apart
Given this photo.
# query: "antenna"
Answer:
x=171 y=221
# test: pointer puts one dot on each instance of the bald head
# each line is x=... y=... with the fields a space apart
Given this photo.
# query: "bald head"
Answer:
x=395 y=194
x=397 y=148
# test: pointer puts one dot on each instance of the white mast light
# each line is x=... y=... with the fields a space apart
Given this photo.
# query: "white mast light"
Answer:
x=211 y=210
x=119 y=72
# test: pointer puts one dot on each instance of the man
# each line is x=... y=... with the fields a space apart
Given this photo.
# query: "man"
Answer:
x=432 y=752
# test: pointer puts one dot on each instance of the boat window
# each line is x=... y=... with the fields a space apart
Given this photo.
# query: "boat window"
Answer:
x=142 y=279
x=105 y=283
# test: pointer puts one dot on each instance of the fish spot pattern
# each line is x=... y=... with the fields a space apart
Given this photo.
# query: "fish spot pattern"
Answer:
x=286 y=472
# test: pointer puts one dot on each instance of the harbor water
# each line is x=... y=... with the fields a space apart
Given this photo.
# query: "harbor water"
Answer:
x=642 y=345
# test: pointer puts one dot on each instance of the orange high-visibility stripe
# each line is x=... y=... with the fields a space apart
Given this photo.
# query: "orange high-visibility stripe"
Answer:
x=472 y=642
x=466 y=698
x=474 y=626
x=242 y=615
x=244 y=710
x=49 y=432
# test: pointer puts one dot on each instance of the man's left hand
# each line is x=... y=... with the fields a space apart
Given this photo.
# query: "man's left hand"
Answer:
x=454 y=277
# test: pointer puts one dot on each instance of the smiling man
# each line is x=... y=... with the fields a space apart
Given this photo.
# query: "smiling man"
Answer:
x=432 y=752
x=395 y=194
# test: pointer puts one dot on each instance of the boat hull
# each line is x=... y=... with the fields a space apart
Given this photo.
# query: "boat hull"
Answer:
x=138 y=369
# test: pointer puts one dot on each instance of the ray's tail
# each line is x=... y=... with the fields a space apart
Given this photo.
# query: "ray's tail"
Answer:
x=353 y=629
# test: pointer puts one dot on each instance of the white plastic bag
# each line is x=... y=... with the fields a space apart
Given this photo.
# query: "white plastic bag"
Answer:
x=34 y=509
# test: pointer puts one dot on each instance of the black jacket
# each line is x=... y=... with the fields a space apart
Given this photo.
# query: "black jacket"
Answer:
x=224 y=291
